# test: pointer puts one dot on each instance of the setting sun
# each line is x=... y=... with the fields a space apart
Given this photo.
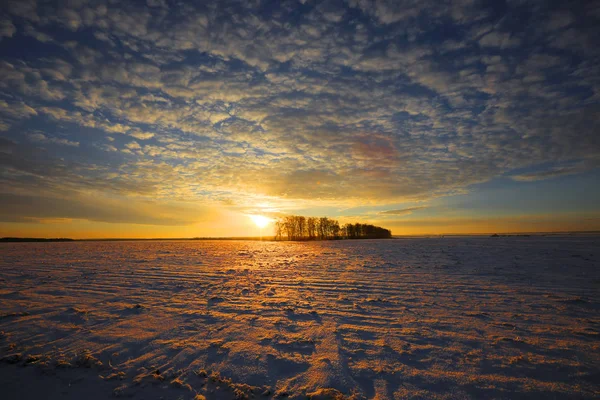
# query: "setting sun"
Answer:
x=260 y=220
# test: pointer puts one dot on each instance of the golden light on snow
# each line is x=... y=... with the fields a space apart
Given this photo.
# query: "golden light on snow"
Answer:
x=260 y=220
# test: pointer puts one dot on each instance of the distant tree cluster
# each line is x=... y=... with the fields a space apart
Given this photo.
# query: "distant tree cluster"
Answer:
x=297 y=227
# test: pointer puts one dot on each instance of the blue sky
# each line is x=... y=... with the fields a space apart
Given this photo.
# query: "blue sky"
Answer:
x=163 y=118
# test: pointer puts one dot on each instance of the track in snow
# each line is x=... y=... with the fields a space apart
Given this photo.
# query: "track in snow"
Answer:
x=445 y=318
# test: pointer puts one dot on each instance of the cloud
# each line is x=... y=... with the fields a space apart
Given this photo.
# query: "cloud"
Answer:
x=16 y=110
x=157 y=3
x=499 y=39
x=42 y=37
x=403 y=211
x=347 y=102
x=27 y=81
x=33 y=208
x=7 y=29
x=41 y=138
x=557 y=171
x=142 y=135
x=133 y=145
x=556 y=222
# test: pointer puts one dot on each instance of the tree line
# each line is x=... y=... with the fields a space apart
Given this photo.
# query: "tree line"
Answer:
x=297 y=227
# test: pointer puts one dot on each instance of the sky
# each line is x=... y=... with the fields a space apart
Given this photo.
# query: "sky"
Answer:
x=165 y=118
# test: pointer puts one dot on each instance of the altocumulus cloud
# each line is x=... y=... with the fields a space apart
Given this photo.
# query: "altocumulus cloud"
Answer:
x=345 y=101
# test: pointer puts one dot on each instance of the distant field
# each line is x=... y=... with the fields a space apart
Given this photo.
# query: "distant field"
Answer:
x=454 y=317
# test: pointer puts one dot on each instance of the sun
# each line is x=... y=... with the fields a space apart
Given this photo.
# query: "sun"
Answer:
x=260 y=220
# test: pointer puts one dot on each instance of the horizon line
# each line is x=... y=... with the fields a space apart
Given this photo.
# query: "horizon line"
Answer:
x=8 y=239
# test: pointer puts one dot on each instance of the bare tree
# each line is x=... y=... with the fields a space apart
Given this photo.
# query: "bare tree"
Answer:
x=297 y=227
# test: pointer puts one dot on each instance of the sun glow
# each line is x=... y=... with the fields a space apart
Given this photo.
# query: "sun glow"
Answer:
x=260 y=220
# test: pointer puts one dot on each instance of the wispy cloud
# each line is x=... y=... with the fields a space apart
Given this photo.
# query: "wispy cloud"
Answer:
x=403 y=211
x=557 y=171
x=25 y=208
x=41 y=138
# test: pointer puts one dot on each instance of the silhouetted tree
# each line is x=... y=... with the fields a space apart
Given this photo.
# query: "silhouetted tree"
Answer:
x=311 y=226
x=297 y=227
x=279 y=226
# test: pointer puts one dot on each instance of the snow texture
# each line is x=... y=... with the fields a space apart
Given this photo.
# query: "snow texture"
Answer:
x=460 y=317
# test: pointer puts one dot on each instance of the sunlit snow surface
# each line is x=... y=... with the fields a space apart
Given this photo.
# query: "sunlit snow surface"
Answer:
x=427 y=318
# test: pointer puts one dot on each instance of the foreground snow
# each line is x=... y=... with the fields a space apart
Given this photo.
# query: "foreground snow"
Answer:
x=424 y=318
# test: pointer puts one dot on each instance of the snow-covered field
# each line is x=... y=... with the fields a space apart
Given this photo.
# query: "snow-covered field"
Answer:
x=479 y=317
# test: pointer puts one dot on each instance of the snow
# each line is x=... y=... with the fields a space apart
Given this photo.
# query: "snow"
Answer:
x=454 y=317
